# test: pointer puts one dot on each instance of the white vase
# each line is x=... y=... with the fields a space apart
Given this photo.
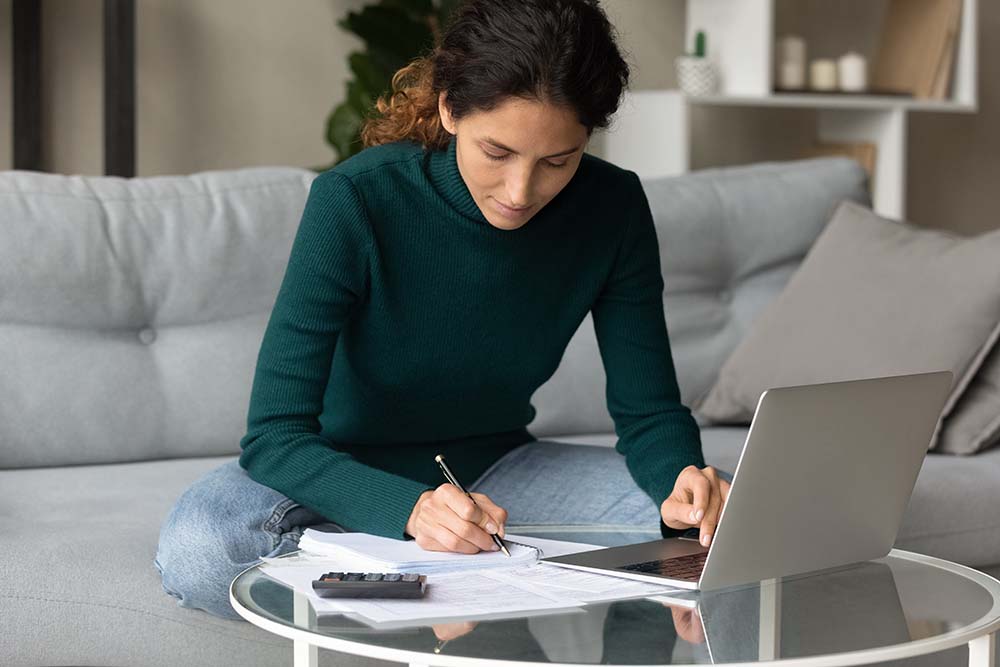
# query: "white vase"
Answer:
x=696 y=76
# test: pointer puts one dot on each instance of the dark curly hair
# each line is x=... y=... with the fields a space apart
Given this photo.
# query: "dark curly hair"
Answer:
x=561 y=52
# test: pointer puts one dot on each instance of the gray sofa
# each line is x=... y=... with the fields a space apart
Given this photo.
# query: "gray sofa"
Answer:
x=131 y=312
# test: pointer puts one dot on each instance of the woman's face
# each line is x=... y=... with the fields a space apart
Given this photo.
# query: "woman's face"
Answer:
x=517 y=157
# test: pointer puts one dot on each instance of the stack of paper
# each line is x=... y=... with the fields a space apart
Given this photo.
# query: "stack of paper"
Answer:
x=360 y=552
x=459 y=586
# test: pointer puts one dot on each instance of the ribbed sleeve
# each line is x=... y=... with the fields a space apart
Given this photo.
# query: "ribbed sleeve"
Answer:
x=657 y=434
x=326 y=279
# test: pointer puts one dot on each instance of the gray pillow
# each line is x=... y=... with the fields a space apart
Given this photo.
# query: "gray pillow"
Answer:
x=873 y=297
x=974 y=424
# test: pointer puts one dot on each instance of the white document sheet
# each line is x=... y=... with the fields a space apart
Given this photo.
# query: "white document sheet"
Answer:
x=583 y=586
x=358 y=552
x=459 y=594
x=468 y=593
x=371 y=553
x=456 y=594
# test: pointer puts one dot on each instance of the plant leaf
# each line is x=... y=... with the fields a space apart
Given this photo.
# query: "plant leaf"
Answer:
x=415 y=8
x=342 y=131
x=358 y=99
x=374 y=80
x=391 y=31
x=395 y=32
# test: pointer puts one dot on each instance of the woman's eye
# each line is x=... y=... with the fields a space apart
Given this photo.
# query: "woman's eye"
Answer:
x=498 y=158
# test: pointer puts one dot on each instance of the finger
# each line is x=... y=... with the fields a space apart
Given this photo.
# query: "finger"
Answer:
x=679 y=509
x=448 y=631
x=711 y=519
x=461 y=504
x=453 y=542
x=688 y=625
x=467 y=530
x=438 y=522
x=428 y=543
x=495 y=517
x=724 y=487
x=677 y=514
x=702 y=490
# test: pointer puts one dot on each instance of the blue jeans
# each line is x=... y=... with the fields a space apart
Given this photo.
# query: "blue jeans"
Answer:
x=226 y=521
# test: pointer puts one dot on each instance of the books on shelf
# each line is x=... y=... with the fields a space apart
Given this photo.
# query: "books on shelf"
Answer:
x=917 y=47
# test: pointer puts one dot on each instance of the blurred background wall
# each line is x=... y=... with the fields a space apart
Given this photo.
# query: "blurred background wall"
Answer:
x=231 y=83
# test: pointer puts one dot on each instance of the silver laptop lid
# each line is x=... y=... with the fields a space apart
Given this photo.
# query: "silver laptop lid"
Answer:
x=824 y=477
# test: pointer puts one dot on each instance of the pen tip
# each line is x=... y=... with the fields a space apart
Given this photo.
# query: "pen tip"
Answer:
x=438 y=458
x=506 y=551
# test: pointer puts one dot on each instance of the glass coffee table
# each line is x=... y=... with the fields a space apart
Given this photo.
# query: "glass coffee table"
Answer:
x=897 y=607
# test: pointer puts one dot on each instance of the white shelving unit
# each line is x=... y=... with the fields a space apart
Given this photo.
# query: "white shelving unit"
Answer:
x=652 y=133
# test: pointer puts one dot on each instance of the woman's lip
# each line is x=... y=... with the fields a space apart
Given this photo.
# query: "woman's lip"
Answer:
x=509 y=209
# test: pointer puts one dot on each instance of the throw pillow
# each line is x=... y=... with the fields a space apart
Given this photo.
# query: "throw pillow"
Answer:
x=873 y=297
x=974 y=424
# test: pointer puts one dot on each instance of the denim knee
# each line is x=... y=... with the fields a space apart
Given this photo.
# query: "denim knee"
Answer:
x=220 y=526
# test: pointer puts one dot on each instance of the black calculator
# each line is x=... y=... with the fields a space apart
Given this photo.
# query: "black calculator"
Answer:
x=370 y=585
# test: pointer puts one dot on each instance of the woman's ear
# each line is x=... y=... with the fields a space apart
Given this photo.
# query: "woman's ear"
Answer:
x=447 y=122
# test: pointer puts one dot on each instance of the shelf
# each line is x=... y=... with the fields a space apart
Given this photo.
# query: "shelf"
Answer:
x=834 y=101
x=742 y=45
x=742 y=37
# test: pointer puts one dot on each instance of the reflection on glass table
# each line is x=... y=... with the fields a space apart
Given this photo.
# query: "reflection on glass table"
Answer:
x=901 y=606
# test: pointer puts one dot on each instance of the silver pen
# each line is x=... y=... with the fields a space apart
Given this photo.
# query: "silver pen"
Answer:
x=454 y=480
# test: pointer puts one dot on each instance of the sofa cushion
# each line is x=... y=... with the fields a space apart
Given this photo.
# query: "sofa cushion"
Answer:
x=974 y=424
x=132 y=310
x=78 y=584
x=874 y=297
x=103 y=522
x=729 y=240
x=951 y=514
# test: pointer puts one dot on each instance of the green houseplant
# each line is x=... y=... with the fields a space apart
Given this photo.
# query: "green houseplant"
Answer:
x=394 y=32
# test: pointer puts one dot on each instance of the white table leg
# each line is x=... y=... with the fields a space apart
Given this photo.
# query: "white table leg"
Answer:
x=769 y=628
x=304 y=654
x=983 y=651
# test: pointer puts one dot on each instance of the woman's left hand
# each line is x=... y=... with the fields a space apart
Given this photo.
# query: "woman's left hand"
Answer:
x=697 y=500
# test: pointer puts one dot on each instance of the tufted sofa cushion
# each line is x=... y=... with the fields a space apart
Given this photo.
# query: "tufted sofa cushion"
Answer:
x=132 y=310
x=730 y=238
x=143 y=342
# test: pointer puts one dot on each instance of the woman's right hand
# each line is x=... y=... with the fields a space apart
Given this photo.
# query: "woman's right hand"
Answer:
x=445 y=519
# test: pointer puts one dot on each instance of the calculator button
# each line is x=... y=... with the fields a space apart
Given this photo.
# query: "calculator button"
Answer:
x=394 y=576
x=373 y=576
x=411 y=577
x=353 y=576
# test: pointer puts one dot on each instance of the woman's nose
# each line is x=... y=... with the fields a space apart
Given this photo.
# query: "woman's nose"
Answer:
x=519 y=188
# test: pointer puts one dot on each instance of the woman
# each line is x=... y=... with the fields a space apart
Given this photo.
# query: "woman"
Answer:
x=433 y=285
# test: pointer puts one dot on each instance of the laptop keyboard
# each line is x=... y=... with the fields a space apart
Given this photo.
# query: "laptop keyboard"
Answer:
x=684 y=568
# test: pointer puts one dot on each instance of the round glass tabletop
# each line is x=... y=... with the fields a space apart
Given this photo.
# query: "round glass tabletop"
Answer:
x=895 y=607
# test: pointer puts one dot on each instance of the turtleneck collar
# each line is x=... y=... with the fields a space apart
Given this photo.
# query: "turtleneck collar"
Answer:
x=442 y=170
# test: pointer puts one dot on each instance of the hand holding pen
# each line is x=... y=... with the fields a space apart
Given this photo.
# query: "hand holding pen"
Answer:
x=451 y=519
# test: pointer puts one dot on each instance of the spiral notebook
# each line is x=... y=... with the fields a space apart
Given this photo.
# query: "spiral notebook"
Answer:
x=362 y=552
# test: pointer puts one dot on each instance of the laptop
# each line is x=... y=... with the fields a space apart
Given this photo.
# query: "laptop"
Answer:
x=823 y=480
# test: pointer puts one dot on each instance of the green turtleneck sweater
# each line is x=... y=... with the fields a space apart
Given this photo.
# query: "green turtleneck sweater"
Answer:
x=406 y=325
